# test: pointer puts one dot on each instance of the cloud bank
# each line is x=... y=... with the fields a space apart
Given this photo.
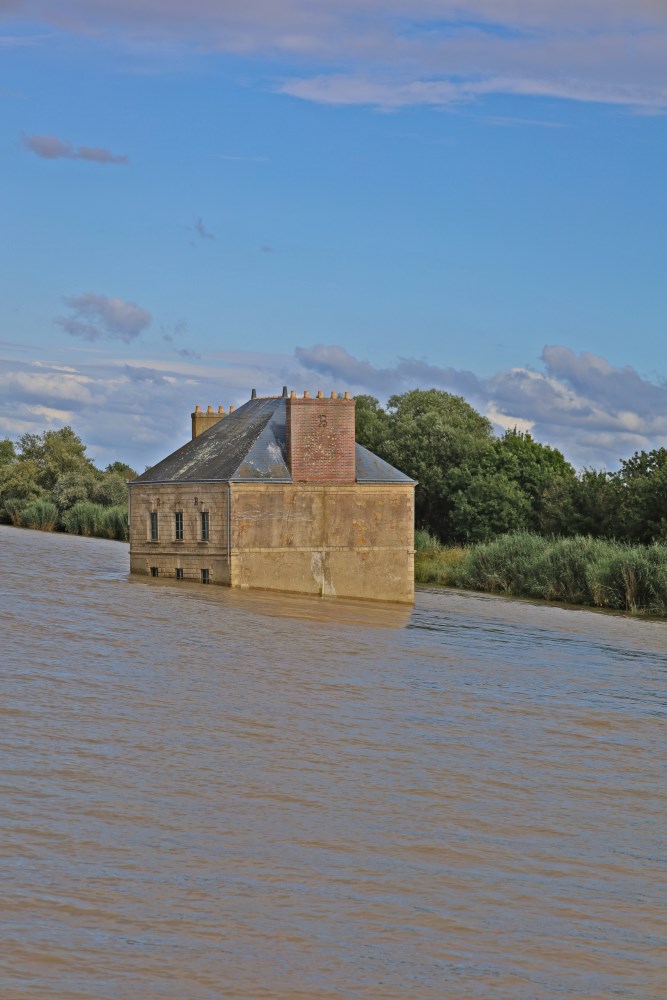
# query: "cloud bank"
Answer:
x=52 y=147
x=393 y=53
x=98 y=317
x=597 y=414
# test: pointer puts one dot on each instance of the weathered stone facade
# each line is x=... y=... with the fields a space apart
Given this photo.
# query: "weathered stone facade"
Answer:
x=278 y=496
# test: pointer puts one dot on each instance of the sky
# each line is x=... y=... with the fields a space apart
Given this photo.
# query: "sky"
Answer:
x=201 y=198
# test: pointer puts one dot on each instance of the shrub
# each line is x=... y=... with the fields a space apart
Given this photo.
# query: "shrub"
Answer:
x=110 y=491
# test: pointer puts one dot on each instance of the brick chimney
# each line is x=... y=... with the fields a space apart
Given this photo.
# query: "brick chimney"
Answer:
x=202 y=421
x=320 y=438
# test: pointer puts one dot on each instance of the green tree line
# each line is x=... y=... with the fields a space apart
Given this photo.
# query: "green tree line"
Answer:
x=475 y=486
x=48 y=482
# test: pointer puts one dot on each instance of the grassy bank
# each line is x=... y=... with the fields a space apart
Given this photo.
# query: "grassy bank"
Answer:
x=588 y=571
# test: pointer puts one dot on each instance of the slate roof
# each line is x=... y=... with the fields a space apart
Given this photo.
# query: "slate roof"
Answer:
x=248 y=445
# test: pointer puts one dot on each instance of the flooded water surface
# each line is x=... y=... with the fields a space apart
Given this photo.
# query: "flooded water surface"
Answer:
x=209 y=793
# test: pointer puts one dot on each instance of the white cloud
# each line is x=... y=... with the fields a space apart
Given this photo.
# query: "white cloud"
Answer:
x=391 y=53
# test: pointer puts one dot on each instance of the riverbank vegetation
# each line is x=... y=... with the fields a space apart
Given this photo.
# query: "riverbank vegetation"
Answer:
x=595 y=572
x=47 y=482
x=497 y=514
x=510 y=515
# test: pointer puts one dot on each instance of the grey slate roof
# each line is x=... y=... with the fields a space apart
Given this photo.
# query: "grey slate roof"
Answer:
x=248 y=445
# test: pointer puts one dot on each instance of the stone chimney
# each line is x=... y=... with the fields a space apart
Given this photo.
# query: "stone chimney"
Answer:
x=320 y=438
x=202 y=421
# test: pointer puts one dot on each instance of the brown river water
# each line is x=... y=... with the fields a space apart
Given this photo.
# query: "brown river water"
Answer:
x=209 y=793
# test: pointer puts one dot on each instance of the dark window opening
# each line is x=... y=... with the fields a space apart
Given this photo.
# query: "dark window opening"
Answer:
x=154 y=535
x=179 y=573
x=204 y=526
x=154 y=571
x=205 y=576
x=178 y=523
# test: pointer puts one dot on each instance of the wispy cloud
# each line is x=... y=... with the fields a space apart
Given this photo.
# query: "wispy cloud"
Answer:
x=52 y=147
x=242 y=159
x=394 y=53
x=99 y=317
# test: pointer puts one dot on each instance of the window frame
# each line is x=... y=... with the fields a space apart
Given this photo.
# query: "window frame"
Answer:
x=204 y=526
x=154 y=526
x=179 y=527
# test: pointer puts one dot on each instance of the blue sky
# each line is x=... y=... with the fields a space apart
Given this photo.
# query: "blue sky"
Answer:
x=199 y=198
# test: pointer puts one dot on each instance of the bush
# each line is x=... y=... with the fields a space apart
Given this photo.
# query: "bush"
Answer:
x=110 y=491
x=40 y=514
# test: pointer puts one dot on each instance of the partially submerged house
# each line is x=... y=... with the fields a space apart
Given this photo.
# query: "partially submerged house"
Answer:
x=277 y=495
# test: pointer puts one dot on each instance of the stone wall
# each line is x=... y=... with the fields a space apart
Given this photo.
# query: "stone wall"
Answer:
x=192 y=554
x=345 y=541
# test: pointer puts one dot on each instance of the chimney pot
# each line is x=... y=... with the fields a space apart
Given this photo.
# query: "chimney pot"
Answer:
x=347 y=395
x=231 y=409
x=197 y=408
x=320 y=394
x=210 y=409
x=293 y=394
x=253 y=394
x=306 y=394
x=221 y=409
x=285 y=393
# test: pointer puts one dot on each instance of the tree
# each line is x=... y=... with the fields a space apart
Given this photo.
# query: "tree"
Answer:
x=371 y=423
x=641 y=488
x=431 y=434
x=122 y=469
x=54 y=453
x=485 y=501
x=110 y=490
x=7 y=452
x=541 y=473
x=74 y=487
x=595 y=505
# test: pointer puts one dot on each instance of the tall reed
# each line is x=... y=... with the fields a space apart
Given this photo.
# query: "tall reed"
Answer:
x=586 y=571
x=40 y=514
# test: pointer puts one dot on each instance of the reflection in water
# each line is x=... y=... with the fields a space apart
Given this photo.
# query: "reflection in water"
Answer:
x=211 y=793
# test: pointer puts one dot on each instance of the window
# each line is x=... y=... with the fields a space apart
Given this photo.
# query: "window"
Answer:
x=178 y=523
x=179 y=573
x=205 y=576
x=154 y=535
x=204 y=526
x=154 y=571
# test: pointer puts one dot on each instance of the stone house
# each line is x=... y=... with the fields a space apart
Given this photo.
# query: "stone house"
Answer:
x=277 y=495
